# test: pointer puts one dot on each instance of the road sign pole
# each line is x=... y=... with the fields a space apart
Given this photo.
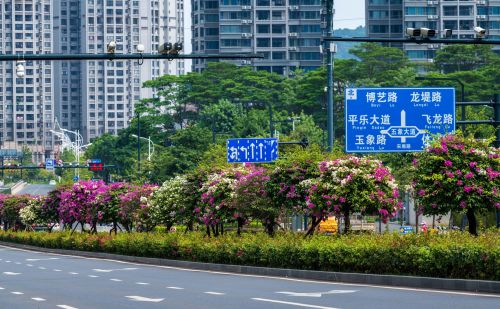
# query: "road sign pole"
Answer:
x=329 y=72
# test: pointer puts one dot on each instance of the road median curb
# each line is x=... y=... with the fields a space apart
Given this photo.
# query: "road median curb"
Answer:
x=482 y=286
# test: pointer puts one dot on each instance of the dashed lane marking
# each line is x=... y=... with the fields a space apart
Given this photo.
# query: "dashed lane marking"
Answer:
x=17 y=293
x=214 y=293
x=142 y=283
x=174 y=288
x=38 y=298
x=116 y=280
x=66 y=307
x=292 y=303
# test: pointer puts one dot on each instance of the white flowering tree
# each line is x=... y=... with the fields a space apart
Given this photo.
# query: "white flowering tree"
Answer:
x=31 y=213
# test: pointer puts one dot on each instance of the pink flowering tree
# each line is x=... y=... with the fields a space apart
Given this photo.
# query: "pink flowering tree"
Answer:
x=252 y=201
x=458 y=174
x=110 y=202
x=350 y=185
x=217 y=193
x=50 y=208
x=135 y=208
x=81 y=204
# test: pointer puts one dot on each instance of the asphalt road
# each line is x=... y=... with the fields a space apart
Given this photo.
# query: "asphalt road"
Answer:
x=36 y=189
x=39 y=280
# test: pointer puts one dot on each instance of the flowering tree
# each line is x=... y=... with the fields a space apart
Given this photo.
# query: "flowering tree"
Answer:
x=349 y=185
x=110 y=200
x=31 y=213
x=251 y=200
x=171 y=203
x=9 y=212
x=216 y=196
x=456 y=173
x=50 y=208
x=135 y=208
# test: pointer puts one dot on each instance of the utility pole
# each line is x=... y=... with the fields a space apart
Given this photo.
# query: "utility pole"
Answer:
x=330 y=49
x=138 y=142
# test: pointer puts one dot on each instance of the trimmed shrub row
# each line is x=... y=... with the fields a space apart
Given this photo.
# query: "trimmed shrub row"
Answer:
x=452 y=255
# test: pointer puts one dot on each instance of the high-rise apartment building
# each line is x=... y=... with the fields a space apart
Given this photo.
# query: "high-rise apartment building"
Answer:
x=97 y=97
x=27 y=103
x=287 y=32
x=390 y=18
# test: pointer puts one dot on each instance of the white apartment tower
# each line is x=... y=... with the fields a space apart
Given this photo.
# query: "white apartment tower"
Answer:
x=97 y=97
x=27 y=104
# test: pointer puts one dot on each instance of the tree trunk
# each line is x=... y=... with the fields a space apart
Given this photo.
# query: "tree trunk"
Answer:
x=222 y=228
x=240 y=225
x=314 y=223
x=347 y=222
x=208 y=231
x=471 y=217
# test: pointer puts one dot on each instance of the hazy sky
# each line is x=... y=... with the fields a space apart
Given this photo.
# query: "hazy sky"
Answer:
x=349 y=13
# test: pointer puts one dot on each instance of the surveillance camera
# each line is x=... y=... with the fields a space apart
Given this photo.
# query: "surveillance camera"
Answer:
x=20 y=70
x=480 y=32
x=140 y=48
x=447 y=33
x=111 y=46
x=427 y=33
x=413 y=32
x=165 y=48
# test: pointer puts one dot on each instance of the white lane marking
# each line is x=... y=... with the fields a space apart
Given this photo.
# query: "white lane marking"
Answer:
x=17 y=293
x=38 y=299
x=116 y=280
x=261 y=276
x=33 y=260
x=8 y=273
x=7 y=261
x=56 y=270
x=29 y=265
x=142 y=283
x=174 y=288
x=292 y=304
x=41 y=267
x=214 y=293
x=66 y=307
x=73 y=273
x=317 y=294
x=18 y=263
x=2 y=288
x=93 y=276
x=110 y=270
x=141 y=298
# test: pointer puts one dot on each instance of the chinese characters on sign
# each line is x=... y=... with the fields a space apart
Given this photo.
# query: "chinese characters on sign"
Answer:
x=397 y=119
x=242 y=150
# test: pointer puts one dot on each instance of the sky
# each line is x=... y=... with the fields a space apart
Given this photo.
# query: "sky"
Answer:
x=349 y=14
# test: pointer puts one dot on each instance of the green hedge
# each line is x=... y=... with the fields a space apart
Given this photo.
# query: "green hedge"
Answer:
x=452 y=255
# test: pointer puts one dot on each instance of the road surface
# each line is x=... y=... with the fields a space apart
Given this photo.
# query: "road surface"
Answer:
x=36 y=189
x=39 y=280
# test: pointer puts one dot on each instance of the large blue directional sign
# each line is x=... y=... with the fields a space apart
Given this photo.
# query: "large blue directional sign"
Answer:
x=396 y=119
x=254 y=150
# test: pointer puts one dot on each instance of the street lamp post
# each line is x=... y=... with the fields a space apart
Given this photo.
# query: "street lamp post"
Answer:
x=330 y=49
x=138 y=115
x=462 y=93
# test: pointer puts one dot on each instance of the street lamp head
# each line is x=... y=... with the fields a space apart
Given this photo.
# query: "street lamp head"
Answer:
x=20 y=72
x=140 y=48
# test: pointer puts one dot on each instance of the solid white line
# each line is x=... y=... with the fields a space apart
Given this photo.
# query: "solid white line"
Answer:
x=142 y=283
x=116 y=280
x=267 y=277
x=66 y=307
x=174 y=288
x=93 y=276
x=38 y=299
x=292 y=304
x=214 y=293
x=17 y=293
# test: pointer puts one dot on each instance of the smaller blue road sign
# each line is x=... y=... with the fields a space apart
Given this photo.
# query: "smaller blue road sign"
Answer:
x=403 y=230
x=252 y=150
x=49 y=164
x=76 y=178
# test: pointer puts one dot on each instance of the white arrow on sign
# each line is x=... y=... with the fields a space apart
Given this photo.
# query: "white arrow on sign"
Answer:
x=252 y=145
x=141 y=298
x=260 y=146
x=8 y=273
x=110 y=270
x=317 y=294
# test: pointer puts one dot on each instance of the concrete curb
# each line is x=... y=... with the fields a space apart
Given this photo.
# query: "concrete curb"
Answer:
x=481 y=286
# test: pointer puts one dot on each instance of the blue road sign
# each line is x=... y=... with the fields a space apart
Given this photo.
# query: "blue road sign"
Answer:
x=76 y=178
x=49 y=164
x=396 y=119
x=403 y=230
x=254 y=150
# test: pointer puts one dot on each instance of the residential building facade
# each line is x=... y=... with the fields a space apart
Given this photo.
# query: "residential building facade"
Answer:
x=287 y=32
x=390 y=18
x=27 y=103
